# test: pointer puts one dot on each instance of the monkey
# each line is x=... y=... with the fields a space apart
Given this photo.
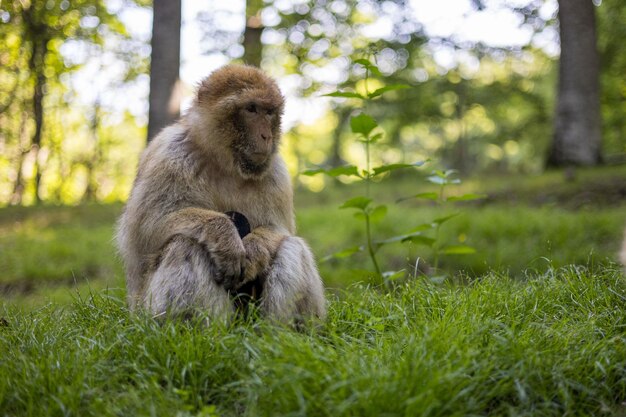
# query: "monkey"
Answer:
x=180 y=249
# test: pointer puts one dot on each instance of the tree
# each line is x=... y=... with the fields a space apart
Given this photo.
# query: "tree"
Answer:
x=42 y=28
x=253 y=48
x=164 y=66
x=577 y=125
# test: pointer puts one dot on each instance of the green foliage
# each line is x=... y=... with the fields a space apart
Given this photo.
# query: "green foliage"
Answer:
x=442 y=179
x=363 y=125
x=44 y=44
x=549 y=345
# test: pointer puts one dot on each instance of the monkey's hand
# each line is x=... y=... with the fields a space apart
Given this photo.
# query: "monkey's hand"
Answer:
x=216 y=232
x=222 y=241
x=261 y=246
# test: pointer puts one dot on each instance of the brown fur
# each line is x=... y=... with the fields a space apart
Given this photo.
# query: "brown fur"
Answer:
x=181 y=252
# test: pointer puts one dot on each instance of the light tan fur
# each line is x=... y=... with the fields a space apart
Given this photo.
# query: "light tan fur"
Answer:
x=181 y=252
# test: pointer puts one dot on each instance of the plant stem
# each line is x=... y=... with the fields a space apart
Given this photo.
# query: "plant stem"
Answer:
x=368 y=179
x=436 y=245
x=436 y=248
x=368 y=175
x=370 y=247
x=368 y=232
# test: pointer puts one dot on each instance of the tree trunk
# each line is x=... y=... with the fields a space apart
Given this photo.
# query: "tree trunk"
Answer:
x=577 y=126
x=18 y=185
x=164 y=64
x=91 y=192
x=36 y=67
x=253 y=48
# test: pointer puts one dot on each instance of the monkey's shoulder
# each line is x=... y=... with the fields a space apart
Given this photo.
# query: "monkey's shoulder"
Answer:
x=172 y=155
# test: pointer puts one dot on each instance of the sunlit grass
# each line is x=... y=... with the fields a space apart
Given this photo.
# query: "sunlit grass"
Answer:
x=519 y=336
x=551 y=344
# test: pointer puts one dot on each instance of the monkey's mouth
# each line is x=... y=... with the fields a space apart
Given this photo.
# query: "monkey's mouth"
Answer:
x=258 y=158
x=254 y=164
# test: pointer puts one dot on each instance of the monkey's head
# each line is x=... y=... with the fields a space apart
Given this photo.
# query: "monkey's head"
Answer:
x=242 y=107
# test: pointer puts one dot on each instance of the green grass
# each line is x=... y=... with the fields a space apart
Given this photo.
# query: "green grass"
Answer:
x=519 y=329
x=47 y=252
x=551 y=344
x=513 y=239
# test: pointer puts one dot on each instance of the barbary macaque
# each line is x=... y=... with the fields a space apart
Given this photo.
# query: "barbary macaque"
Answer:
x=201 y=179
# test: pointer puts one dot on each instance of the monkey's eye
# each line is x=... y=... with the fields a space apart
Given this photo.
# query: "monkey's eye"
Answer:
x=251 y=108
x=270 y=112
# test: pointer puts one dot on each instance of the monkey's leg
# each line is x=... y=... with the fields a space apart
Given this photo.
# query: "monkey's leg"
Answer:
x=293 y=288
x=184 y=281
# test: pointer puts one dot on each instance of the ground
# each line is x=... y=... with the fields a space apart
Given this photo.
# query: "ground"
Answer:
x=532 y=324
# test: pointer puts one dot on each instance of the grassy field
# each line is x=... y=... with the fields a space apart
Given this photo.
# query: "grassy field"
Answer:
x=549 y=345
x=534 y=323
x=526 y=224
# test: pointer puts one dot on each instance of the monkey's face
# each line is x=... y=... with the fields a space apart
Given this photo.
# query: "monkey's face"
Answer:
x=257 y=122
x=242 y=108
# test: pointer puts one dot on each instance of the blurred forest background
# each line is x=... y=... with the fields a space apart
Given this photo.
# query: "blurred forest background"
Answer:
x=484 y=97
x=526 y=99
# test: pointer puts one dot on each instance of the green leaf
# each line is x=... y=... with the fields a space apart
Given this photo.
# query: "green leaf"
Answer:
x=441 y=220
x=357 y=202
x=363 y=124
x=467 y=197
x=427 y=196
x=420 y=239
x=392 y=239
x=367 y=64
x=349 y=170
x=422 y=227
x=444 y=174
x=343 y=253
x=383 y=90
x=393 y=275
x=392 y=167
x=345 y=94
x=378 y=213
x=458 y=250
x=373 y=139
x=415 y=237
x=436 y=179
x=311 y=172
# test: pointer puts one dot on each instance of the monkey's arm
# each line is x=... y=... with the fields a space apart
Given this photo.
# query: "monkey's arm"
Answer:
x=213 y=230
x=261 y=246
